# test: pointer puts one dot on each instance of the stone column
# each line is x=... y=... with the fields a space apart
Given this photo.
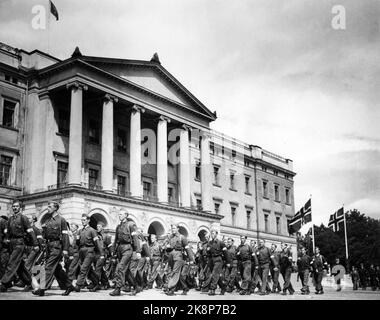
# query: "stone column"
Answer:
x=206 y=171
x=107 y=143
x=162 y=159
x=184 y=167
x=135 y=152
x=75 y=139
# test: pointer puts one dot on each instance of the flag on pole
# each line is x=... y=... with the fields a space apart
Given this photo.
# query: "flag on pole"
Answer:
x=53 y=10
x=336 y=221
x=301 y=218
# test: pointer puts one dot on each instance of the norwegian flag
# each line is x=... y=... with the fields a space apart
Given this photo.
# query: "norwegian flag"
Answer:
x=336 y=221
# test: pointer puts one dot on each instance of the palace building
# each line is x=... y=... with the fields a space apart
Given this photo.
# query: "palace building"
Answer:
x=98 y=134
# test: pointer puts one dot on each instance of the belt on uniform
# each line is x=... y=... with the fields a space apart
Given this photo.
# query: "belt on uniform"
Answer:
x=52 y=240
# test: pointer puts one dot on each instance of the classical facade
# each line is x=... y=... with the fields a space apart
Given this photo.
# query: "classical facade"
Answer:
x=98 y=134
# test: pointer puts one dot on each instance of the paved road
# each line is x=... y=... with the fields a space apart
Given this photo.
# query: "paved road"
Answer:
x=329 y=287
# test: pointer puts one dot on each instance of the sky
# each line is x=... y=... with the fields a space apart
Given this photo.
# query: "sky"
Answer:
x=276 y=72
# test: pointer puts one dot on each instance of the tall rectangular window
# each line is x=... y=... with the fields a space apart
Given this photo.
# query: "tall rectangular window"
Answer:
x=147 y=189
x=62 y=173
x=216 y=207
x=170 y=194
x=121 y=185
x=233 y=216
x=93 y=178
x=64 y=122
x=232 y=180
x=199 y=204
x=265 y=189
x=121 y=140
x=278 y=225
x=266 y=222
x=216 y=176
x=247 y=184
x=276 y=193
x=94 y=132
x=5 y=170
x=198 y=172
x=287 y=196
x=248 y=219
x=9 y=108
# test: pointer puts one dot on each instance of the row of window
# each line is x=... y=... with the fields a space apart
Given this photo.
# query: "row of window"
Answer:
x=276 y=192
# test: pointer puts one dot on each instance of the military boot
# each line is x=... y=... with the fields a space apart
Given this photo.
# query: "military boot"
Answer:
x=211 y=292
x=68 y=291
x=3 y=288
x=115 y=292
x=170 y=292
x=39 y=292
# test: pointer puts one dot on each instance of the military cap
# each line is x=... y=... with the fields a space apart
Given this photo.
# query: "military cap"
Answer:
x=85 y=215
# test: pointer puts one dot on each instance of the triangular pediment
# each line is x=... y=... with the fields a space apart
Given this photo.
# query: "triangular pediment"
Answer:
x=152 y=77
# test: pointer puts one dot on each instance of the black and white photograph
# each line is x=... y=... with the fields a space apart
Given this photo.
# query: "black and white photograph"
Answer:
x=199 y=151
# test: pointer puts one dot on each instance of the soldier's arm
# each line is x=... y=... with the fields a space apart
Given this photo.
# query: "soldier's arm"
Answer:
x=96 y=240
x=65 y=236
x=134 y=234
x=227 y=256
x=190 y=252
x=28 y=228
x=273 y=259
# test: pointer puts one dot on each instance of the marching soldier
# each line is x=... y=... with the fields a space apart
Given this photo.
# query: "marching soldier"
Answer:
x=33 y=254
x=105 y=244
x=73 y=264
x=256 y=280
x=373 y=277
x=55 y=232
x=264 y=258
x=17 y=231
x=217 y=250
x=177 y=244
x=4 y=254
x=88 y=240
x=355 y=278
x=125 y=244
x=275 y=269
x=363 y=275
x=155 y=263
x=319 y=264
x=303 y=263
x=244 y=254
x=286 y=268
x=231 y=271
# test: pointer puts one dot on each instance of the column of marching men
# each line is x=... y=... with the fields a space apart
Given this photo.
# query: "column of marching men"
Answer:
x=84 y=257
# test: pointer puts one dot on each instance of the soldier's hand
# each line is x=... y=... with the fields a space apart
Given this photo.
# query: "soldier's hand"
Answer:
x=191 y=263
x=275 y=269
x=256 y=267
x=101 y=257
x=65 y=254
x=138 y=255
x=228 y=265
x=36 y=248
x=147 y=259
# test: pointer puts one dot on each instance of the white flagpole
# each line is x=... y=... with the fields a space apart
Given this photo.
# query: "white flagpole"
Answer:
x=345 y=233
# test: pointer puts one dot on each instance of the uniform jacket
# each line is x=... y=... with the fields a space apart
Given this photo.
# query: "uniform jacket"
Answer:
x=55 y=229
x=178 y=242
x=155 y=250
x=217 y=248
x=88 y=237
x=275 y=259
x=19 y=227
x=303 y=262
x=263 y=255
x=285 y=259
x=244 y=252
x=126 y=233
x=318 y=263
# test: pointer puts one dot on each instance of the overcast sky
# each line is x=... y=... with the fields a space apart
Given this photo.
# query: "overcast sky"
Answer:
x=276 y=72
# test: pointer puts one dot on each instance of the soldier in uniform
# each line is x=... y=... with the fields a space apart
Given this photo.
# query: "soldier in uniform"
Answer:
x=286 y=268
x=105 y=244
x=355 y=278
x=178 y=243
x=363 y=275
x=155 y=263
x=126 y=242
x=88 y=241
x=217 y=250
x=4 y=254
x=275 y=268
x=372 y=277
x=319 y=264
x=55 y=233
x=303 y=263
x=244 y=255
x=17 y=231
x=256 y=280
x=231 y=271
x=264 y=258
x=73 y=260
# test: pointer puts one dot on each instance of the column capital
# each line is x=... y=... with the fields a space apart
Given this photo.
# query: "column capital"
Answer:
x=186 y=127
x=164 y=118
x=205 y=134
x=76 y=85
x=44 y=94
x=109 y=97
x=137 y=108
